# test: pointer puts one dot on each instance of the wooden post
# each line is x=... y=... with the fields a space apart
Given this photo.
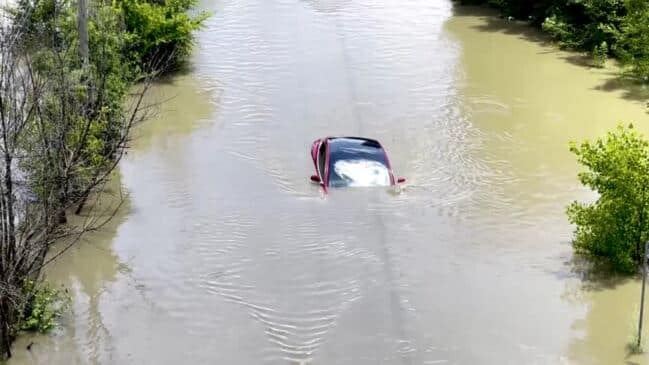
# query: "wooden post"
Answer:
x=644 y=280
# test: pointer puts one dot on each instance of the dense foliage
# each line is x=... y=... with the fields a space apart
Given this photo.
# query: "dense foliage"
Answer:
x=140 y=35
x=634 y=38
x=617 y=28
x=615 y=227
x=82 y=109
x=159 y=31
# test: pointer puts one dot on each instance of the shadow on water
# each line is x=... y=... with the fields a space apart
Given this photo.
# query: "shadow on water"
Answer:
x=595 y=275
x=631 y=89
x=178 y=104
x=170 y=79
x=493 y=22
x=613 y=78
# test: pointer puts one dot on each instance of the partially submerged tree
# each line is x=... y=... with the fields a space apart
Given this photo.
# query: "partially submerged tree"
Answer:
x=65 y=118
x=615 y=227
x=63 y=129
x=83 y=112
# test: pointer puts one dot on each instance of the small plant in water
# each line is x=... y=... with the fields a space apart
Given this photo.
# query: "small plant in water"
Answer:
x=634 y=346
x=44 y=306
x=600 y=53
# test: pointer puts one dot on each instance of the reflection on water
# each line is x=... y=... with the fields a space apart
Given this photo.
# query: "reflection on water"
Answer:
x=86 y=270
x=609 y=324
x=229 y=255
x=177 y=106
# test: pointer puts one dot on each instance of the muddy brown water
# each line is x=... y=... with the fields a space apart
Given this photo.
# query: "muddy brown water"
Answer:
x=226 y=254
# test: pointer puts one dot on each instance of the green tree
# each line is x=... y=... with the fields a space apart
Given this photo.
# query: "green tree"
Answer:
x=80 y=113
x=616 y=225
x=634 y=39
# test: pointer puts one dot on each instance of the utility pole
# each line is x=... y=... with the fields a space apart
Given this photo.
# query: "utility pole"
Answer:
x=645 y=257
x=82 y=19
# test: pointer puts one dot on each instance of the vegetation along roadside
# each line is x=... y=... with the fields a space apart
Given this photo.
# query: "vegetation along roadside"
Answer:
x=72 y=82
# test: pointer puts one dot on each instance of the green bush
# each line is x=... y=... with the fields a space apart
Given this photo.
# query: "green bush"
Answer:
x=160 y=32
x=44 y=306
x=141 y=35
x=560 y=30
x=615 y=227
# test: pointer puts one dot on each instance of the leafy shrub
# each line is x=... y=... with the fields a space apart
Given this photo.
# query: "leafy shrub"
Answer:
x=561 y=31
x=615 y=227
x=160 y=31
x=634 y=39
x=44 y=306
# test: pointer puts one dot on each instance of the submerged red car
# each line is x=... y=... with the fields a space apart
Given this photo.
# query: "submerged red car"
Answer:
x=350 y=162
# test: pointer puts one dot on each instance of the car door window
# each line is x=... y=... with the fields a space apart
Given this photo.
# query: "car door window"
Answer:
x=321 y=159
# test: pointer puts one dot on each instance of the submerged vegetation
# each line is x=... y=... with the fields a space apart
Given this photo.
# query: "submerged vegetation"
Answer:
x=615 y=227
x=43 y=308
x=71 y=89
x=635 y=347
x=618 y=28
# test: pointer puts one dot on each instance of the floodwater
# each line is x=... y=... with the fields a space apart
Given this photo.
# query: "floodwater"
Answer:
x=226 y=254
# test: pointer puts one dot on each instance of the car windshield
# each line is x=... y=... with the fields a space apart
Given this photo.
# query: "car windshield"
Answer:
x=357 y=163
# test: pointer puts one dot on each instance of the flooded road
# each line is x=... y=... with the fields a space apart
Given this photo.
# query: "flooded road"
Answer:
x=226 y=254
